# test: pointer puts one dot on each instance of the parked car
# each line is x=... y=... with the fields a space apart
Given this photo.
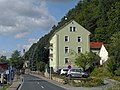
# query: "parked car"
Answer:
x=22 y=71
x=76 y=73
x=58 y=71
x=3 y=79
x=64 y=71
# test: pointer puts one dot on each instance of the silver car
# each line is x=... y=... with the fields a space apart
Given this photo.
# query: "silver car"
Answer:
x=76 y=73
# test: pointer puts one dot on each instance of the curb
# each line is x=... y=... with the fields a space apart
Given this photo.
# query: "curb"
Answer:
x=18 y=86
x=15 y=85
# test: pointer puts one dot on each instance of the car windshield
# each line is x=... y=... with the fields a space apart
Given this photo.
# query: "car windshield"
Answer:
x=65 y=69
x=75 y=70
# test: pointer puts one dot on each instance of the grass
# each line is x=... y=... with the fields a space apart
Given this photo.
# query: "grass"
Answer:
x=89 y=83
x=117 y=78
x=5 y=87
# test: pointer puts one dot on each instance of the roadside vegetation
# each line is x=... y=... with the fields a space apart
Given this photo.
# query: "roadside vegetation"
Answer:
x=102 y=19
x=5 y=87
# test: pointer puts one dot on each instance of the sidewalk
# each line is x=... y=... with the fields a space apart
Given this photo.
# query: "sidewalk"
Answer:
x=16 y=84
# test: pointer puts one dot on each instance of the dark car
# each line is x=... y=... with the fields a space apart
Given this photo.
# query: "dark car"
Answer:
x=76 y=73
x=58 y=71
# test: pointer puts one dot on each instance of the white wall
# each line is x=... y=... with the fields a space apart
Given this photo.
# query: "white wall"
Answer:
x=103 y=54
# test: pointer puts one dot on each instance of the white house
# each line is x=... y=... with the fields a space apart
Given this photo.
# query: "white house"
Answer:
x=99 y=48
x=103 y=54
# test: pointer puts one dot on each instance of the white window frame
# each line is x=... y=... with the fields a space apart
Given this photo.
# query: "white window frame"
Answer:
x=72 y=29
x=66 y=58
x=66 y=38
x=78 y=39
x=51 y=59
x=78 y=49
x=65 y=49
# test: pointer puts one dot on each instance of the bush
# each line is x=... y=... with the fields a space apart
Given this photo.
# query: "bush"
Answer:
x=92 y=83
x=88 y=83
x=96 y=82
x=5 y=87
x=65 y=80
x=97 y=72
x=117 y=78
x=117 y=72
x=101 y=72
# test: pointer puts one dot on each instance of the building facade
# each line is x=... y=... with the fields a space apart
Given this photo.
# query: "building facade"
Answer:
x=67 y=41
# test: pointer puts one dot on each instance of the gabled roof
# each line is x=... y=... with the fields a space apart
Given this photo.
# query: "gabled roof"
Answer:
x=63 y=27
x=96 y=45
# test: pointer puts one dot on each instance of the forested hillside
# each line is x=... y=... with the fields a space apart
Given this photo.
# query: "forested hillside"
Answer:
x=100 y=17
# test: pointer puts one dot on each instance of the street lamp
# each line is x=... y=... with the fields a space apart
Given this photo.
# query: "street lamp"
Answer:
x=50 y=71
x=50 y=74
x=32 y=61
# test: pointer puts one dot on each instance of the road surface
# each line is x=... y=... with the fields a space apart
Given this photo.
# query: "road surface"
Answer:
x=34 y=83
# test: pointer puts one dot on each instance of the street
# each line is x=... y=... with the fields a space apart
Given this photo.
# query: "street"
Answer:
x=35 y=83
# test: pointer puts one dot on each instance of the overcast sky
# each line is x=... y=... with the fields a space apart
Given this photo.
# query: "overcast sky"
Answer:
x=23 y=22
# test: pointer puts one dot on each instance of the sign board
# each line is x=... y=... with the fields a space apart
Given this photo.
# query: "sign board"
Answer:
x=69 y=66
x=12 y=75
x=7 y=71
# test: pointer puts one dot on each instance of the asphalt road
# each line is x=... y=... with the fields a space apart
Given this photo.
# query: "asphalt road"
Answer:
x=34 y=83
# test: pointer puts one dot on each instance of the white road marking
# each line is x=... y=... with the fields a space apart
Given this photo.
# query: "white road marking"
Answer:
x=38 y=83
x=42 y=87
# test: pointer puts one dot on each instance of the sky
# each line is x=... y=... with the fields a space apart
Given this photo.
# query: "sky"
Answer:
x=24 y=22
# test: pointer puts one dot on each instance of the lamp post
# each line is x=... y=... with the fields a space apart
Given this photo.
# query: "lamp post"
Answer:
x=50 y=72
x=33 y=57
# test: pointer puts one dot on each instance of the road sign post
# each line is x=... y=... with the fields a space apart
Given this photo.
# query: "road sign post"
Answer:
x=69 y=66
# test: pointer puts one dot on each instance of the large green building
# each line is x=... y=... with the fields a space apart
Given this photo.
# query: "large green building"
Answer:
x=67 y=41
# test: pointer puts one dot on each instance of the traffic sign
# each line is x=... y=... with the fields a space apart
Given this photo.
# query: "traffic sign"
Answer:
x=69 y=66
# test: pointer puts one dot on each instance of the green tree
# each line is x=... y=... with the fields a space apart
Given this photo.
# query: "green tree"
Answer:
x=100 y=17
x=16 y=60
x=81 y=61
x=92 y=58
x=114 y=48
x=40 y=66
x=111 y=65
x=86 y=60
x=3 y=59
x=114 y=18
